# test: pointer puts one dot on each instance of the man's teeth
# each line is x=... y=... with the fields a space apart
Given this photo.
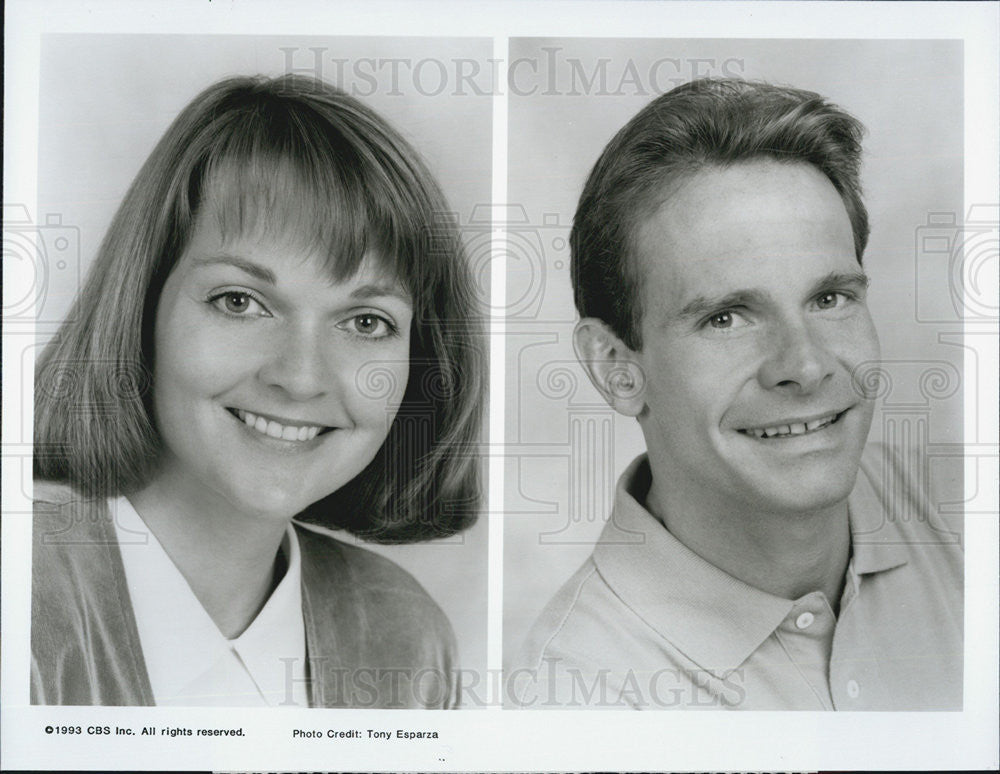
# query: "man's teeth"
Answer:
x=796 y=428
x=276 y=430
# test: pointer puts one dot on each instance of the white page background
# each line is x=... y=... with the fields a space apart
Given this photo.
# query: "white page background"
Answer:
x=497 y=739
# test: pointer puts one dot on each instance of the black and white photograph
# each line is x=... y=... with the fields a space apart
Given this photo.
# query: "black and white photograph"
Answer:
x=277 y=321
x=427 y=386
x=772 y=499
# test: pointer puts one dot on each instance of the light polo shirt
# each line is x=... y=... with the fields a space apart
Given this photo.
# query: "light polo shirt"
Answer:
x=648 y=624
x=189 y=661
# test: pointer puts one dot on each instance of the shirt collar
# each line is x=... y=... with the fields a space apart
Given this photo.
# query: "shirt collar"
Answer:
x=278 y=632
x=715 y=619
x=180 y=642
x=875 y=512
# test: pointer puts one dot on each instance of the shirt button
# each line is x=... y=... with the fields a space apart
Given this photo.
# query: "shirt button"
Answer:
x=853 y=689
x=805 y=620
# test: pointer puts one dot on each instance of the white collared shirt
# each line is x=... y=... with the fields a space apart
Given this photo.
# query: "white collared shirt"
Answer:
x=188 y=660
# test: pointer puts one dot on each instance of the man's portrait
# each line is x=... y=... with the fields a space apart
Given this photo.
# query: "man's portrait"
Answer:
x=765 y=550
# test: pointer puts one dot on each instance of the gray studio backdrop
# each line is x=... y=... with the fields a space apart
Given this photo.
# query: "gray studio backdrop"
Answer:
x=104 y=102
x=565 y=447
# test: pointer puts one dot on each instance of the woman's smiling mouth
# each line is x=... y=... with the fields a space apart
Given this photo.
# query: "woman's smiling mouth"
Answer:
x=275 y=429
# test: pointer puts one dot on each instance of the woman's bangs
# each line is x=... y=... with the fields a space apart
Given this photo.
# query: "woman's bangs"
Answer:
x=297 y=195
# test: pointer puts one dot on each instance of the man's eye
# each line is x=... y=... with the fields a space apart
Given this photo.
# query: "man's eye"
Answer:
x=829 y=300
x=726 y=320
x=239 y=303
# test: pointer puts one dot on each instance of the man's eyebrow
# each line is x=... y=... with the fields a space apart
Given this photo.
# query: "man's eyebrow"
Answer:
x=699 y=306
x=377 y=290
x=253 y=269
x=842 y=279
x=703 y=305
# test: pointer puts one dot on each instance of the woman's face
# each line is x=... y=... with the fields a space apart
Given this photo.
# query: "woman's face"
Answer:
x=273 y=385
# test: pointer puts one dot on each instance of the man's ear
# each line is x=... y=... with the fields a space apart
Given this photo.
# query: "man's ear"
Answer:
x=611 y=365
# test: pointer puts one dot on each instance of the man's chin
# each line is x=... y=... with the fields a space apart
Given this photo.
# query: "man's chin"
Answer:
x=805 y=488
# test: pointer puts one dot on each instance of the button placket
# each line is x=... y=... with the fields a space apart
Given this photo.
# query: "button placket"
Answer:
x=805 y=635
x=805 y=620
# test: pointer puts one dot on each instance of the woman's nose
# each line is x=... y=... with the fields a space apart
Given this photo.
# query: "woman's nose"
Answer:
x=298 y=363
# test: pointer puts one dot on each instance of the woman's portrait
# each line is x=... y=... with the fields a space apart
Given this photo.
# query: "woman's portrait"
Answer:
x=276 y=355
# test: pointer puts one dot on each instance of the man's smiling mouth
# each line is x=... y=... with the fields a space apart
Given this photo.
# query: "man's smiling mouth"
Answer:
x=793 y=428
x=274 y=429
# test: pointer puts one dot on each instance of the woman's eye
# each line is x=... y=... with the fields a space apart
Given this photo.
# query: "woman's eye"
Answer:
x=239 y=303
x=371 y=326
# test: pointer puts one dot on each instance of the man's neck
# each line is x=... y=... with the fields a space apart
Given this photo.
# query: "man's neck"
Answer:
x=788 y=555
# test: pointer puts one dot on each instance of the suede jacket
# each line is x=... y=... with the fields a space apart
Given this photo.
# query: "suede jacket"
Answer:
x=374 y=638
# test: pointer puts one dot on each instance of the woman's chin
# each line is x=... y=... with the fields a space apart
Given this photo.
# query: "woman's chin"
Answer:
x=266 y=498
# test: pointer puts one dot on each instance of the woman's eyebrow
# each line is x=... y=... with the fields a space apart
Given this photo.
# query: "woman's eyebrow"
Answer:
x=253 y=269
x=376 y=290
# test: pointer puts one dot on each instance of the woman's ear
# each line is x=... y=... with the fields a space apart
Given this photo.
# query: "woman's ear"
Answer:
x=612 y=367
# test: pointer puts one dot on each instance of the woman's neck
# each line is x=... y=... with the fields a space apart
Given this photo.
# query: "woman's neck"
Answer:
x=227 y=558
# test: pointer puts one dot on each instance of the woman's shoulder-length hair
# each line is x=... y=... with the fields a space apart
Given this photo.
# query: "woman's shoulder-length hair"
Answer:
x=302 y=156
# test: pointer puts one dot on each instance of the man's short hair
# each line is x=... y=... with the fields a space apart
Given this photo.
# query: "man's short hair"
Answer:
x=707 y=122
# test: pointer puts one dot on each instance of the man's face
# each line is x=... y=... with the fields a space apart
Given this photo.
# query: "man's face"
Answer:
x=754 y=318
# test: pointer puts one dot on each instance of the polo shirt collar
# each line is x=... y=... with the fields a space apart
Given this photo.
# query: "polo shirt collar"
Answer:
x=713 y=618
x=876 y=543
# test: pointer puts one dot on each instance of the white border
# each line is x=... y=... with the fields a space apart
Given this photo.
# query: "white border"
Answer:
x=498 y=396
x=512 y=740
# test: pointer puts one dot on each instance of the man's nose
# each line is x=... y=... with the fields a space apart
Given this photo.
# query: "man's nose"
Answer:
x=298 y=362
x=797 y=359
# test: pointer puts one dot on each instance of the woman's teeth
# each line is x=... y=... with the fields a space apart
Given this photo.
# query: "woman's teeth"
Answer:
x=798 y=428
x=277 y=430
